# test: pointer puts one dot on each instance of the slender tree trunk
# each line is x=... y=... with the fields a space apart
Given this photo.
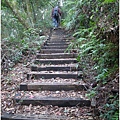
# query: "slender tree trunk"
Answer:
x=34 y=19
x=29 y=12
x=17 y=15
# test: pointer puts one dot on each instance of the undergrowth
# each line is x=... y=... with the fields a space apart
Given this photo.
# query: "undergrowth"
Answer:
x=92 y=41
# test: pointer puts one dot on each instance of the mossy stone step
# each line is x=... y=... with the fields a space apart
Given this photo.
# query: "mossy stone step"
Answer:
x=38 y=75
x=59 y=42
x=10 y=116
x=54 y=101
x=56 y=55
x=55 y=61
x=56 y=44
x=55 y=47
x=54 y=68
x=52 y=86
x=47 y=51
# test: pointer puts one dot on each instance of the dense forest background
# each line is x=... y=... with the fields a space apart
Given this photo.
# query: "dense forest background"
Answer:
x=94 y=26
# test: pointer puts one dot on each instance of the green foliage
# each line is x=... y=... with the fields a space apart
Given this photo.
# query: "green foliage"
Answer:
x=16 y=39
x=102 y=52
x=109 y=1
x=89 y=20
x=111 y=110
x=115 y=116
x=91 y=94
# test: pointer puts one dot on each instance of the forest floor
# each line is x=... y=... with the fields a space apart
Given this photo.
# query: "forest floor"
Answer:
x=10 y=83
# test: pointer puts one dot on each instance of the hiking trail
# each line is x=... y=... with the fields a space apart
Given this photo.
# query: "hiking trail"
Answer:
x=53 y=89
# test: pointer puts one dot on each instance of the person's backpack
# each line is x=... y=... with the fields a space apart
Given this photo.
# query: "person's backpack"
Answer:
x=55 y=12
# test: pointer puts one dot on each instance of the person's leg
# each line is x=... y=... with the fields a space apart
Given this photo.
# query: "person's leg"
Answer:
x=57 y=19
x=54 y=22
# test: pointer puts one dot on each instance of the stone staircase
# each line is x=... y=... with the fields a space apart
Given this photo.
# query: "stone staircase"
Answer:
x=58 y=68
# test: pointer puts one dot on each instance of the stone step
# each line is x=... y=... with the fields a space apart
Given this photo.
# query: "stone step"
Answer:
x=59 y=41
x=47 y=51
x=11 y=116
x=38 y=75
x=53 y=37
x=37 y=86
x=56 y=55
x=54 y=101
x=55 y=61
x=56 y=44
x=54 y=68
x=54 y=47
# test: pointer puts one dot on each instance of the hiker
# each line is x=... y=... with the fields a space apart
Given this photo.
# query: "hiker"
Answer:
x=56 y=16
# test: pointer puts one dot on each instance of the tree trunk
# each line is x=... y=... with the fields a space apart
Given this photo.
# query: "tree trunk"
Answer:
x=29 y=12
x=17 y=15
x=34 y=19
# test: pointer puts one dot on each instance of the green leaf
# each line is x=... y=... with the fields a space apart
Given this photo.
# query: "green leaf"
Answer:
x=109 y=1
x=78 y=58
x=23 y=41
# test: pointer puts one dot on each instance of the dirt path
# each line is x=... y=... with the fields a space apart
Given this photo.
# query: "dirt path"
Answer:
x=51 y=88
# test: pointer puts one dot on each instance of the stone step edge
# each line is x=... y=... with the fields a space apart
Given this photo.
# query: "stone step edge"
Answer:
x=74 y=54
x=64 y=41
x=10 y=116
x=60 y=45
x=54 y=101
x=46 y=51
x=55 y=61
x=52 y=87
x=56 y=43
x=54 y=47
x=38 y=75
x=56 y=55
x=54 y=68
x=57 y=50
x=61 y=59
